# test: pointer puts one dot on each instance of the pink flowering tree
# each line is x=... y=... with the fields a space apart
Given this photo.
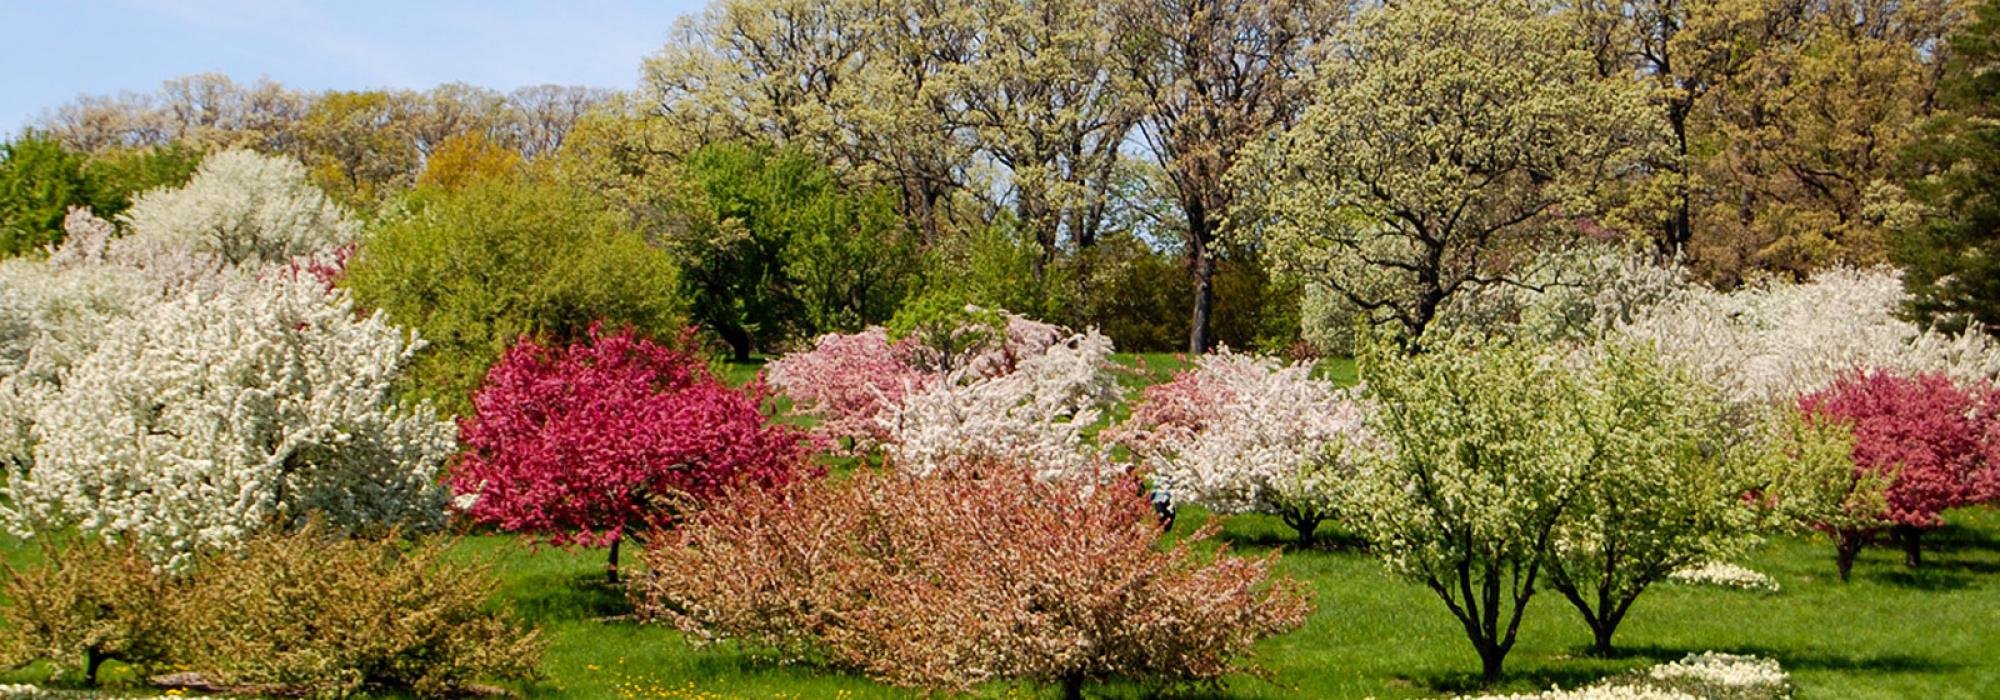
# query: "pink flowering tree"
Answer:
x=1930 y=438
x=849 y=380
x=585 y=444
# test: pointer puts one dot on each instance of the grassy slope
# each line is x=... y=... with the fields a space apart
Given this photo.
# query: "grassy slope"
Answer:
x=1892 y=633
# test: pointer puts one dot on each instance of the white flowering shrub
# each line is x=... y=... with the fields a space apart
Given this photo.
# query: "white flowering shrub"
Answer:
x=1032 y=414
x=202 y=418
x=1724 y=575
x=1775 y=341
x=1704 y=676
x=241 y=207
x=1246 y=434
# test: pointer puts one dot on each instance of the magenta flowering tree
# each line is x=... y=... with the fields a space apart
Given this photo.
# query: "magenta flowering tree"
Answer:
x=589 y=443
x=1931 y=439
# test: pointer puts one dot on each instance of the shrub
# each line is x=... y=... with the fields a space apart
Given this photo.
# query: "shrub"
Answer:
x=221 y=411
x=303 y=613
x=952 y=581
x=1240 y=433
x=474 y=269
x=89 y=602
x=583 y=444
x=1932 y=438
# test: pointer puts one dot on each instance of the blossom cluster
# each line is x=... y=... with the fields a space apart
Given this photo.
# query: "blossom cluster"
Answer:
x=1770 y=342
x=201 y=418
x=1701 y=676
x=1725 y=575
x=1932 y=438
x=1241 y=433
x=1025 y=395
x=579 y=443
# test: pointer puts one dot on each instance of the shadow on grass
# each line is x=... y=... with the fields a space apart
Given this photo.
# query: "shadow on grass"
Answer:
x=567 y=597
x=1933 y=576
x=1958 y=538
x=1324 y=541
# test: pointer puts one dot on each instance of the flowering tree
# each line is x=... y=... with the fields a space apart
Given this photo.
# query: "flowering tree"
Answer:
x=849 y=380
x=964 y=387
x=583 y=444
x=1488 y=452
x=952 y=581
x=1811 y=483
x=242 y=207
x=1034 y=414
x=203 y=418
x=1769 y=343
x=1667 y=475
x=1933 y=439
x=1241 y=433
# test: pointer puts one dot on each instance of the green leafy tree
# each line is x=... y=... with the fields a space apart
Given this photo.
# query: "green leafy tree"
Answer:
x=475 y=269
x=1952 y=259
x=1487 y=450
x=120 y=175
x=39 y=182
x=772 y=246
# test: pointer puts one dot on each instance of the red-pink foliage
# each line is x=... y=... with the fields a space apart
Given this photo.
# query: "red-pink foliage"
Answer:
x=581 y=443
x=849 y=381
x=965 y=577
x=1935 y=437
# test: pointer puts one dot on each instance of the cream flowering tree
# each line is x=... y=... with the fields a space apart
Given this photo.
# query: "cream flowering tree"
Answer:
x=1445 y=139
x=1488 y=451
x=243 y=207
x=1246 y=434
x=218 y=412
x=1033 y=413
x=1774 y=341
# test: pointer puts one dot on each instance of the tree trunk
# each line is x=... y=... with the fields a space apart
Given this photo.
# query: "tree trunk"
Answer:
x=1305 y=526
x=1204 y=280
x=1846 y=547
x=92 y=660
x=1072 y=687
x=738 y=339
x=611 y=567
x=1912 y=539
x=1601 y=638
x=1490 y=658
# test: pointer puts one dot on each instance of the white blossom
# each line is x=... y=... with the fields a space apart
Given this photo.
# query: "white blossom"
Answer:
x=1034 y=414
x=1725 y=575
x=202 y=418
x=1773 y=341
x=243 y=207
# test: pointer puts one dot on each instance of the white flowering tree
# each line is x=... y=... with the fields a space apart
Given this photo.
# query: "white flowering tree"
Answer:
x=1246 y=434
x=1033 y=413
x=243 y=207
x=1488 y=450
x=212 y=414
x=1665 y=488
x=1775 y=341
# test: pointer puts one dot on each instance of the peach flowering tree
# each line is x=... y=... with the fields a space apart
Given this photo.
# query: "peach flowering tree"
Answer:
x=589 y=443
x=1241 y=434
x=949 y=581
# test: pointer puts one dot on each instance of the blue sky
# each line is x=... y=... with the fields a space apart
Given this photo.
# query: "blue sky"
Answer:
x=56 y=50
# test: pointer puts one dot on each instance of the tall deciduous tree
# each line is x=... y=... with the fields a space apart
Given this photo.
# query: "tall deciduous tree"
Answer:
x=1211 y=76
x=1444 y=138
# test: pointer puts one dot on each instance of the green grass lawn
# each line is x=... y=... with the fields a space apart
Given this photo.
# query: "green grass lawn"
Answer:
x=1932 y=633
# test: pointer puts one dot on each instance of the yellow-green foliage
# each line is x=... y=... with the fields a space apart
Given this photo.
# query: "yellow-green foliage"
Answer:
x=476 y=268
x=89 y=603
x=329 y=617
